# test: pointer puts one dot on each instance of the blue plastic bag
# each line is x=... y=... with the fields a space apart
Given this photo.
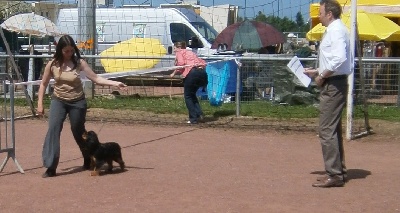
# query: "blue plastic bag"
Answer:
x=221 y=78
x=218 y=75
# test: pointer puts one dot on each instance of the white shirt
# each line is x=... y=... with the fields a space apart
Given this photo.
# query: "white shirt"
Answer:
x=334 y=50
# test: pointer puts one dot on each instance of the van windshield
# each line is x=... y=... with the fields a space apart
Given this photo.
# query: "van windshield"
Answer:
x=206 y=30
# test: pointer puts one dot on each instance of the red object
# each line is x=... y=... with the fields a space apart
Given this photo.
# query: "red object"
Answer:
x=379 y=50
x=249 y=35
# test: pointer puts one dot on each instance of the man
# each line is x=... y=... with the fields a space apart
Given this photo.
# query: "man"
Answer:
x=331 y=77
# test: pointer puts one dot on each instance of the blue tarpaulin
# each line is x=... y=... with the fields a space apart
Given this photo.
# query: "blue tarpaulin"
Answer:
x=221 y=80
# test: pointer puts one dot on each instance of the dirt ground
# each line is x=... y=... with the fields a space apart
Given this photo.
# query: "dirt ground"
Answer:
x=183 y=168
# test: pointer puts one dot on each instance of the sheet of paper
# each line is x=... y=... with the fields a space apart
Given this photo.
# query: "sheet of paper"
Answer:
x=297 y=68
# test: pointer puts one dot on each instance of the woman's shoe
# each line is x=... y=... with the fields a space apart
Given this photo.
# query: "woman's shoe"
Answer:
x=49 y=173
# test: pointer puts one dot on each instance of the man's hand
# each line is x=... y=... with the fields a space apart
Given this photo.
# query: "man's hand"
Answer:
x=319 y=81
x=311 y=72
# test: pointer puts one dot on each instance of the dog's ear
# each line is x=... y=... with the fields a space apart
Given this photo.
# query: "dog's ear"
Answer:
x=85 y=135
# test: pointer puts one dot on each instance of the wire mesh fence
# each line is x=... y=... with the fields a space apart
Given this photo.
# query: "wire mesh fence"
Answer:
x=270 y=96
x=264 y=94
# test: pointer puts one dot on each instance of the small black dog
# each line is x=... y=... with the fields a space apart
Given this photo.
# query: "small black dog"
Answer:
x=101 y=153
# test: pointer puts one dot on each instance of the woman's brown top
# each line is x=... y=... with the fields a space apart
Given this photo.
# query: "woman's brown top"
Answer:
x=68 y=85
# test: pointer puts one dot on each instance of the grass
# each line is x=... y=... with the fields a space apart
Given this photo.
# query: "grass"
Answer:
x=165 y=105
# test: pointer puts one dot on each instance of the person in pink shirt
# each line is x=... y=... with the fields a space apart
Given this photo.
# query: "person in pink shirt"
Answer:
x=194 y=77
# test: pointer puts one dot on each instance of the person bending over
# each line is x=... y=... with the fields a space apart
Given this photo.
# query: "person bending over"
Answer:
x=194 y=77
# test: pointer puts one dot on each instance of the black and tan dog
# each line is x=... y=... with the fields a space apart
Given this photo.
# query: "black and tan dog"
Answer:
x=101 y=153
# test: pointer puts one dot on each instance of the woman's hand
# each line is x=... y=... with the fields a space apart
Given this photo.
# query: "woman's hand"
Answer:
x=172 y=74
x=121 y=86
x=40 y=111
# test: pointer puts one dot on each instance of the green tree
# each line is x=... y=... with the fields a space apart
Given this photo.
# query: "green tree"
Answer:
x=301 y=26
x=299 y=20
x=274 y=21
x=10 y=8
x=260 y=17
x=288 y=25
x=284 y=24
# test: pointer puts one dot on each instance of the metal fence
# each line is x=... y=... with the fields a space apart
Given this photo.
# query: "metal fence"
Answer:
x=381 y=80
x=261 y=79
x=7 y=127
x=264 y=77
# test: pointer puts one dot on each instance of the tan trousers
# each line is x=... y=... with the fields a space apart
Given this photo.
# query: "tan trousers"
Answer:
x=332 y=101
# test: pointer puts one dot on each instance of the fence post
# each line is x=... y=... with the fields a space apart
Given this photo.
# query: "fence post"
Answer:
x=238 y=83
x=87 y=26
x=398 y=89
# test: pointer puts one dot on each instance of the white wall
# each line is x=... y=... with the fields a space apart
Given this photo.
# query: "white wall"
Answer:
x=217 y=16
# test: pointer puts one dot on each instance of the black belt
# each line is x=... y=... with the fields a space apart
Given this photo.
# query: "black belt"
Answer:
x=336 y=78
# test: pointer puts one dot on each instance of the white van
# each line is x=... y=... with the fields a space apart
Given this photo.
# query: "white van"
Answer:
x=169 y=25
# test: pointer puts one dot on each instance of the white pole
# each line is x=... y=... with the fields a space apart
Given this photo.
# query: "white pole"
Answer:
x=87 y=26
x=349 y=107
x=30 y=71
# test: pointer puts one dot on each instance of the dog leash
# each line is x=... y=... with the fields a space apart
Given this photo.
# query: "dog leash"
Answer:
x=101 y=127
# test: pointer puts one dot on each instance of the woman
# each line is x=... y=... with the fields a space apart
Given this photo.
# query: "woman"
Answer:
x=68 y=98
x=194 y=77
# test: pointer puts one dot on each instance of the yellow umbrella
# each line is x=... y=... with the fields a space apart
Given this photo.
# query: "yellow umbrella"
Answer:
x=139 y=47
x=370 y=27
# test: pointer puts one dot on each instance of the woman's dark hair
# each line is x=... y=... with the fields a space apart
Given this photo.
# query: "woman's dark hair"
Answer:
x=332 y=6
x=64 y=41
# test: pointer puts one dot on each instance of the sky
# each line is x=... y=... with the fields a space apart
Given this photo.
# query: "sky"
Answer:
x=281 y=8
x=248 y=8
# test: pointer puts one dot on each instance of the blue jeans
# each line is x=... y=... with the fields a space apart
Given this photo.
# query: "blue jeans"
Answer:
x=195 y=79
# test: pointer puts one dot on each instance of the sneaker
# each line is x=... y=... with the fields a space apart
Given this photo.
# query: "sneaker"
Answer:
x=49 y=173
x=191 y=122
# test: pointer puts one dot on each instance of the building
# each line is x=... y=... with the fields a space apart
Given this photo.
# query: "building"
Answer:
x=105 y=3
x=49 y=9
x=220 y=16
x=387 y=8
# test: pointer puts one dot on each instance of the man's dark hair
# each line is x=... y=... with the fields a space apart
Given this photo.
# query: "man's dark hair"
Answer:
x=332 y=6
